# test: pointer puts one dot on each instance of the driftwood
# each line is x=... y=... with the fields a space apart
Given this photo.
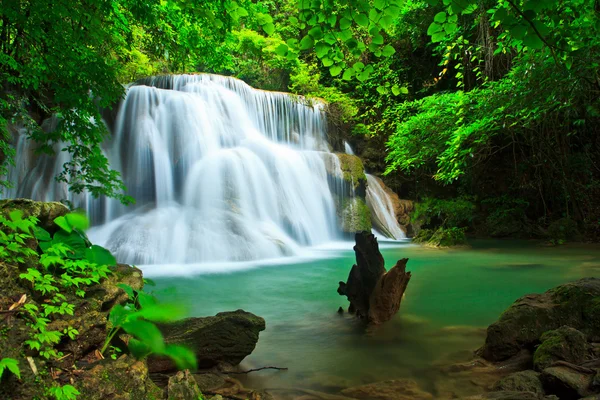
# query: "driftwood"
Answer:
x=374 y=294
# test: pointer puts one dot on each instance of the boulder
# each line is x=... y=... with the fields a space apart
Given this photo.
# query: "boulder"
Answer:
x=395 y=389
x=523 y=381
x=511 y=396
x=567 y=383
x=374 y=294
x=575 y=304
x=121 y=379
x=182 y=386
x=562 y=344
x=227 y=338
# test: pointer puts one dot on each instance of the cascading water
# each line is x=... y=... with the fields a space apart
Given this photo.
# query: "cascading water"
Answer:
x=384 y=217
x=219 y=171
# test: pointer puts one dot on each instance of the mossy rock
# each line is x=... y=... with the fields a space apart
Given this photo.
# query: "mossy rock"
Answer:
x=353 y=173
x=566 y=383
x=182 y=386
x=575 y=304
x=562 y=344
x=563 y=230
x=45 y=212
x=522 y=381
x=355 y=216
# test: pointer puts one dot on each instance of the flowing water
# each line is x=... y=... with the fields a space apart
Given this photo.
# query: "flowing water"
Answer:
x=382 y=211
x=452 y=295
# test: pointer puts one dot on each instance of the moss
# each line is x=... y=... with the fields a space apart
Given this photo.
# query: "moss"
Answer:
x=564 y=343
x=355 y=215
x=448 y=237
x=353 y=169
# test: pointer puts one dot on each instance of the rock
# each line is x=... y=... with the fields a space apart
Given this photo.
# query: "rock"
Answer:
x=109 y=294
x=396 y=389
x=566 y=383
x=374 y=295
x=564 y=343
x=209 y=381
x=227 y=338
x=524 y=381
x=354 y=215
x=182 y=386
x=511 y=396
x=575 y=304
x=121 y=379
x=46 y=212
x=353 y=173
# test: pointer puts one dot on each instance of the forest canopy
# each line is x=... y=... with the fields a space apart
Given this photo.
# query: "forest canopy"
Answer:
x=449 y=98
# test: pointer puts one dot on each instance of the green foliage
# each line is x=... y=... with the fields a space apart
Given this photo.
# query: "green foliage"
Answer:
x=66 y=392
x=563 y=230
x=507 y=215
x=11 y=365
x=446 y=213
x=138 y=318
x=15 y=233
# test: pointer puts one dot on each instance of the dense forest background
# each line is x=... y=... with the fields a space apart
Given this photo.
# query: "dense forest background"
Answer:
x=486 y=113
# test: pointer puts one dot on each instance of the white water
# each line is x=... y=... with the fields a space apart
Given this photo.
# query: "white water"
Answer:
x=347 y=148
x=382 y=210
x=220 y=172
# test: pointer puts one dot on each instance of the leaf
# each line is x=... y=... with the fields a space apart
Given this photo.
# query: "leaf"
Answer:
x=388 y=51
x=377 y=39
x=161 y=313
x=434 y=28
x=316 y=32
x=382 y=90
x=100 y=256
x=335 y=70
x=73 y=241
x=146 y=300
x=138 y=349
x=361 y=19
x=118 y=315
x=183 y=357
x=63 y=224
x=147 y=333
x=396 y=90
x=269 y=28
x=404 y=90
x=345 y=24
x=12 y=365
x=77 y=221
x=440 y=17
x=379 y=4
x=41 y=234
x=348 y=74
x=332 y=20
x=533 y=41
x=327 y=62
x=127 y=289
x=438 y=37
x=281 y=50
x=306 y=43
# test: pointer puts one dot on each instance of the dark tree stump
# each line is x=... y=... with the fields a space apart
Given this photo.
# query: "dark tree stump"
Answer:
x=374 y=294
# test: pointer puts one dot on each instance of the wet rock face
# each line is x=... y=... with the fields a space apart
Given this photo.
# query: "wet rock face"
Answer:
x=523 y=381
x=374 y=294
x=46 y=212
x=182 y=386
x=575 y=304
x=228 y=338
x=562 y=344
x=566 y=383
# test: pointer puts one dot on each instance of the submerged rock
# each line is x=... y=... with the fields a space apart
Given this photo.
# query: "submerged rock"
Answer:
x=228 y=338
x=374 y=294
x=566 y=383
x=523 y=381
x=396 y=389
x=562 y=344
x=575 y=304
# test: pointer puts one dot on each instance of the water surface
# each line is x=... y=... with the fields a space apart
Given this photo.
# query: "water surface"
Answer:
x=452 y=295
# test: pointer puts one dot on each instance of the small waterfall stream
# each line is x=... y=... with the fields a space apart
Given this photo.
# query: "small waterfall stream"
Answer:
x=384 y=217
x=220 y=172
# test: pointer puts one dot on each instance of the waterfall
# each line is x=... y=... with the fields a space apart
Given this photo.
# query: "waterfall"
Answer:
x=220 y=172
x=383 y=215
x=347 y=148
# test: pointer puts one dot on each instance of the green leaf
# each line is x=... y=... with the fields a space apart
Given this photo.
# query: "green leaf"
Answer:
x=533 y=41
x=327 y=62
x=100 y=256
x=382 y=90
x=138 y=349
x=72 y=240
x=361 y=19
x=269 y=28
x=438 y=37
x=77 y=221
x=127 y=289
x=377 y=39
x=41 y=234
x=440 y=17
x=348 y=74
x=118 y=315
x=345 y=24
x=379 y=4
x=306 y=43
x=281 y=50
x=12 y=365
x=316 y=32
x=335 y=70
x=388 y=51
x=332 y=20
x=404 y=90
x=396 y=90
x=147 y=333
x=146 y=300
x=63 y=224
x=160 y=313
x=183 y=357
x=434 y=28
